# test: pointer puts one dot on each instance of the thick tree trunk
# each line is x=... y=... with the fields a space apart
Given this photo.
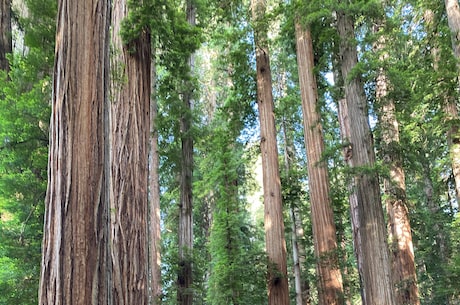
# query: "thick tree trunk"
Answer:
x=330 y=287
x=76 y=264
x=367 y=213
x=451 y=110
x=278 y=292
x=6 y=43
x=154 y=198
x=401 y=248
x=184 y=279
x=130 y=121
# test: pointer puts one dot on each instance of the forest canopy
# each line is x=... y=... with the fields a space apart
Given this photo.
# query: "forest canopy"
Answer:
x=229 y=152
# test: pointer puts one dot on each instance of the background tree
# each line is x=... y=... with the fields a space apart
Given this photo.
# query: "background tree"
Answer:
x=154 y=193
x=394 y=185
x=330 y=289
x=274 y=224
x=367 y=216
x=24 y=100
x=451 y=107
x=6 y=41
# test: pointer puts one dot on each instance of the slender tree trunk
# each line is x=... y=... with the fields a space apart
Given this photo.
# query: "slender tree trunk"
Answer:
x=154 y=197
x=451 y=108
x=6 y=43
x=399 y=230
x=76 y=261
x=330 y=287
x=278 y=291
x=301 y=294
x=130 y=106
x=367 y=213
x=185 y=293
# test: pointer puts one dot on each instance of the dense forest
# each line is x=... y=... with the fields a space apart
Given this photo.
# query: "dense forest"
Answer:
x=229 y=152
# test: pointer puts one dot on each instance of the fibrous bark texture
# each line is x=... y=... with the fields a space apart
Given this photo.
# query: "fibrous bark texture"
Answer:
x=367 y=214
x=130 y=129
x=330 y=287
x=399 y=230
x=76 y=264
x=278 y=293
x=5 y=33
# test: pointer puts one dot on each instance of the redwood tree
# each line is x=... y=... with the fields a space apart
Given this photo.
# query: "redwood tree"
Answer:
x=185 y=241
x=5 y=33
x=330 y=287
x=129 y=142
x=367 y=214
x=75 y=261
x=451 y=107
x=399 y=229
x=278 y=293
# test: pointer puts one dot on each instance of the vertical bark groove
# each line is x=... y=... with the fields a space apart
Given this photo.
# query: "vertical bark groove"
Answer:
x=324 y=231
x=367 y=214
x=130 y=128
x=75 y=257
x=278 y=293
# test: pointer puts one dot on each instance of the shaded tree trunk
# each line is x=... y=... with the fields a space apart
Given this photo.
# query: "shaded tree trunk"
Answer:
x=154 y=198
x=301 y=285
x=184 y=280
x=330 y=287
x=278 y=292
x=399 y=230
x=6 y=43
x=451 y=110
x=367 y=213
x=76 y=260
x=130 y=128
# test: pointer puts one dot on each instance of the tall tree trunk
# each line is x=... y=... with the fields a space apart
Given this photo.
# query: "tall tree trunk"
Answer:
x=185 y=293
x=451 y=110
x=76 y=261
x=399 y=230
x=154 y=197
x=330 y=287
x=367 y=212
x=298 y=253
x=130 y=121
x=6 y=43
x=278 y=292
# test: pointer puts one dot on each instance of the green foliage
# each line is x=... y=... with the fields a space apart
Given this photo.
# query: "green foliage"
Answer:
x=24 y=115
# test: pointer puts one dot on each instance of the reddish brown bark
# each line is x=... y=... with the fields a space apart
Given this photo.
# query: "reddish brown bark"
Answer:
x=76 y=258
x=278 y=292
x=367 y=215
x=330 y=287
x=130 y=128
